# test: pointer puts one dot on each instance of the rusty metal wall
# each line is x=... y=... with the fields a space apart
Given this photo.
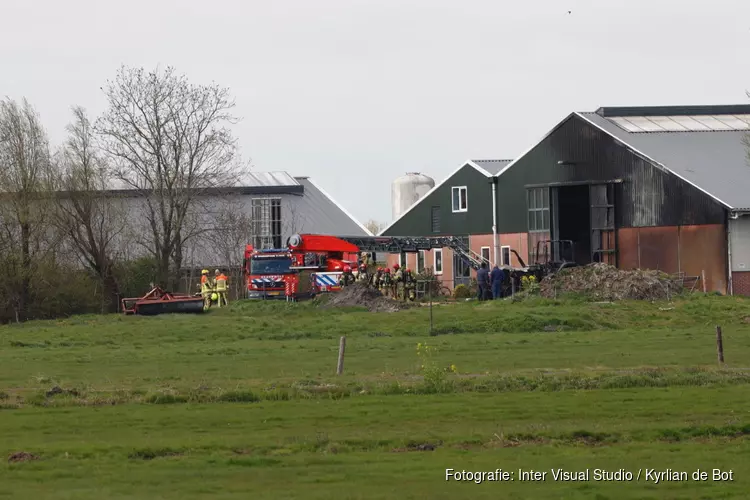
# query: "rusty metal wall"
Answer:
x=704 y=248
x=688 y=249
x=648 y=196
x=627 y=248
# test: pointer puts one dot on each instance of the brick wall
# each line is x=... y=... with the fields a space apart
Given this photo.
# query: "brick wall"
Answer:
x=741 y=283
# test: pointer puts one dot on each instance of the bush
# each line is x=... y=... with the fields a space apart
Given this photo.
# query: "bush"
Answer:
x=462 y=292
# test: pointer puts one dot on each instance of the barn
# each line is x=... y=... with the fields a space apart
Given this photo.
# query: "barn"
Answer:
x=461 y=206
x=665 y=187
x=261 y=208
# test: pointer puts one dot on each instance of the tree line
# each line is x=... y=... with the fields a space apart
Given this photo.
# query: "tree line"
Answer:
x=117 y=206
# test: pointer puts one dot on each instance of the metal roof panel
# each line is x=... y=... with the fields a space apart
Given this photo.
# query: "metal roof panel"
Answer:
x=713 y=161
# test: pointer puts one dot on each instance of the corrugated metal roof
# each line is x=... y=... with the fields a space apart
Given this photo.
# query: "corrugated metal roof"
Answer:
x=266 y=179
x=714 y=161
x=492 y=166
x=326 y=214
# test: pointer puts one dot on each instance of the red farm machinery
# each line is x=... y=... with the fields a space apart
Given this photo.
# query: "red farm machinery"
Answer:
x=157 y=301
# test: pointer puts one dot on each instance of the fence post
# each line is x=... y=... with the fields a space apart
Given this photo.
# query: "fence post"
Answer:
x=703 y=280
x=719 y=345
x=429 y=291
x=342 y=348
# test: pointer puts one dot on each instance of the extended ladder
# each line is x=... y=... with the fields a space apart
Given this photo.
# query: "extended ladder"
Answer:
x=409 y=244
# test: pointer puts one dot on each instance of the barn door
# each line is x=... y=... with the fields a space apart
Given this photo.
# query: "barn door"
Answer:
x=603 y=230
x=461 y=266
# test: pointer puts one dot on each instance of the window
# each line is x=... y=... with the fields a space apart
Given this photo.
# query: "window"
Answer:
x=538 y=220
x=504 y=256
x=460 y=204
x=266 y=223
x=485 y=251
x=435 y=219
x=420 y=261
x=438 y=261
x=538 y=203
x=401 y=260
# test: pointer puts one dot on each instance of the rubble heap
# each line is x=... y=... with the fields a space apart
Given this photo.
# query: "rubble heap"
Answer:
x=606 y=282
x=360 y=295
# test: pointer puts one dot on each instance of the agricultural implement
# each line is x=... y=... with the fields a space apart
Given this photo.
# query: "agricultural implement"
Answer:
x=157 y=301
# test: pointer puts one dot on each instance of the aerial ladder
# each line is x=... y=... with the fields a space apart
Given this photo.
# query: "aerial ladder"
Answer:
x=411 y=244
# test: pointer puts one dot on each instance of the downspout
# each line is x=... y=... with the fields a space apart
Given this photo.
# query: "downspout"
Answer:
x=730 y=288
x=495 y=248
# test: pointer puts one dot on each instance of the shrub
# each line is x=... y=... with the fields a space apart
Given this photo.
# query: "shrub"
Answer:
x=462 y=292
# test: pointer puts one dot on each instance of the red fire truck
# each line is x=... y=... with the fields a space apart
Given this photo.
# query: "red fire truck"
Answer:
x=310 y=264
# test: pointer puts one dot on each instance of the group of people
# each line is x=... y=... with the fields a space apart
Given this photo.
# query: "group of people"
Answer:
x=400 y=284
x=214 y=289
x=490 y=284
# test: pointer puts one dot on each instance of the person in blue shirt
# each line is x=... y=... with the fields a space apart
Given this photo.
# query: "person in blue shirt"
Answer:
x=483 y=281
x=496 y=279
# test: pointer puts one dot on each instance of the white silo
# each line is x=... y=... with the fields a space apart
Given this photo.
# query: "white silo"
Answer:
x=407 y=189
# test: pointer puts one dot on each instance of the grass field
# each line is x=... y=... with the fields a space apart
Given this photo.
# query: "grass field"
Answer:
x=244 y=402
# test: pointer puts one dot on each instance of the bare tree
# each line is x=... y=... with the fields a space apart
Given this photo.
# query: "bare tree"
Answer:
x=374 y=226
x=90 y=220
x=168 y=140
x=293 y=220
x=233 y=230
x=24 y=162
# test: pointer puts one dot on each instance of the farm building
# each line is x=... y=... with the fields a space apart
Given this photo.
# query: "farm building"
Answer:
x=262 y=209
x=652 y=187
x=460 y=206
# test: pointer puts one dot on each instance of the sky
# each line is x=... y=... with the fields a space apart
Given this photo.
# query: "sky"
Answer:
x=355 y=93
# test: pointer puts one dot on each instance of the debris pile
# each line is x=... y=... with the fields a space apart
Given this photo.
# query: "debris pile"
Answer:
x=360 y=295
x=606 y=282
x=21 y=456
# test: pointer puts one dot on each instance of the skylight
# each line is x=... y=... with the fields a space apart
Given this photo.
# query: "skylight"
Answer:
x=682 y=123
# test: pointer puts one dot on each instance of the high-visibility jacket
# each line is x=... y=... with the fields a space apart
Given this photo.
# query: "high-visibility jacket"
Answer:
x=205 y=284
x=221 y=283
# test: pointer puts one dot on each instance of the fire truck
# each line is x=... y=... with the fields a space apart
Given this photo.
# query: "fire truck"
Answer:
x=310 y=264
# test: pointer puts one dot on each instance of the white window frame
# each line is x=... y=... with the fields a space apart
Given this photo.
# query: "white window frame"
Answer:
x=401 y=258
x=466 y=198
x=435 y=261
x=424 y=261
x=502 y=261
x=481 y=253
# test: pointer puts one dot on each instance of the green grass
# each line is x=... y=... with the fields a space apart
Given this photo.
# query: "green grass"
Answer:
x=244 y=402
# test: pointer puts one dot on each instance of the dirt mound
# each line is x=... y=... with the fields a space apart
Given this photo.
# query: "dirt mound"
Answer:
x=22 y=456
x=605 y=282
x=359 y=295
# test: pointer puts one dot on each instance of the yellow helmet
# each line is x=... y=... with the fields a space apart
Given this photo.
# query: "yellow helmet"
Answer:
x=205 y=271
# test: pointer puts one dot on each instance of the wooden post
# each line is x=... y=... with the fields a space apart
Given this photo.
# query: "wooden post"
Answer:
x=429 y=291
x=342 y=348
x=703 y=280
x=719 y=345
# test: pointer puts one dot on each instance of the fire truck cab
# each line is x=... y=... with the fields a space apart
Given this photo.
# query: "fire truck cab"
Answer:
x=310 y=264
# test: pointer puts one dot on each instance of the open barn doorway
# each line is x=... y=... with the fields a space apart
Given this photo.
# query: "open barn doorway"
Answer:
x=585 y=215
x=573 y=222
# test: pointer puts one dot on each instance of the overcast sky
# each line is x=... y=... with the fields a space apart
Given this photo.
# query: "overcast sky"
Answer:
x=355 y=93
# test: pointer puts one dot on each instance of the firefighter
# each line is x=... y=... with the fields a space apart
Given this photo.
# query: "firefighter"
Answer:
x=385 y=283
x=363 y=276
x=396 y=281
x=409 y=285
x=364 y=259
x=206 y=289
x=377 y=278
x=220 y=285
x=347 y=278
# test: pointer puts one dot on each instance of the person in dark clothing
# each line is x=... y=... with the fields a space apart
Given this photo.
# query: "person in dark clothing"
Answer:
x=483 y=281
x=496 y=279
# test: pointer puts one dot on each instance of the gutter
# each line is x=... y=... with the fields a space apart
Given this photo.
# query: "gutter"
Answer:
x=733 y=215
x=495 y=243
